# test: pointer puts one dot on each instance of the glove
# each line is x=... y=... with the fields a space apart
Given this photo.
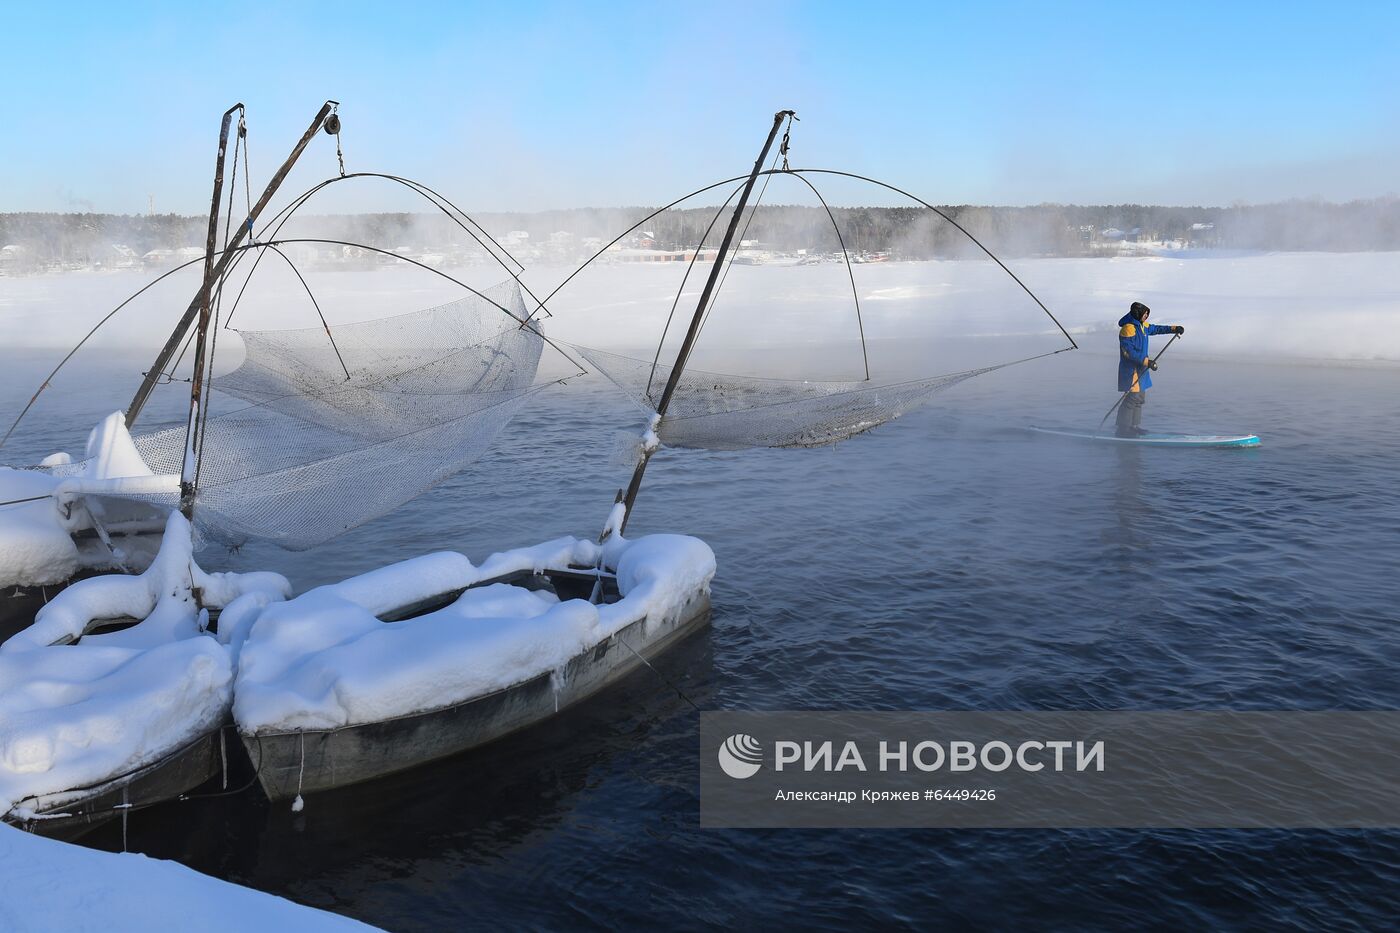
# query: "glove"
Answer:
x=1151 y=364
x=1178 y=330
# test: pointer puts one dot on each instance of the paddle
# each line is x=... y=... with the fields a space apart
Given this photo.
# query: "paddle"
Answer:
x=1126 y=394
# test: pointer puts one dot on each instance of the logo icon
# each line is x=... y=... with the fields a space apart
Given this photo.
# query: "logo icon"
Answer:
x=741 y=756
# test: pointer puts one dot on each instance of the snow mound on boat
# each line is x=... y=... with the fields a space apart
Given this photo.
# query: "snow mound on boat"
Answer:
x=326 y=660
x=656 y=575
x=77 y=715
x=52 y=885
x=36 y=544
x=162 y=596
x=35 y=547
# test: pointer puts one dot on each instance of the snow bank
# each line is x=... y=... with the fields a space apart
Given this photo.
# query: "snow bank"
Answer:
x=325 y=659
x=49 y=885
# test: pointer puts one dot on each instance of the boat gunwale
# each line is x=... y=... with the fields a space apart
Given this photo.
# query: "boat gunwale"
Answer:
x=91 y=791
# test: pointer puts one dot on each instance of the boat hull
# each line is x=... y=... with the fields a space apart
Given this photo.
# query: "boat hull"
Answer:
x=70 y=814
x=293 y=763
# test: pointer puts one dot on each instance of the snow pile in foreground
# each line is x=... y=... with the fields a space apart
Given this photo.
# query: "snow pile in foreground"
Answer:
x=36 y=544
x=49 y=885
x=73 y=715
x=325 y=659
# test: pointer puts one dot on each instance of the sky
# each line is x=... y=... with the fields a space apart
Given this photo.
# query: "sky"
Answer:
x=531 y=105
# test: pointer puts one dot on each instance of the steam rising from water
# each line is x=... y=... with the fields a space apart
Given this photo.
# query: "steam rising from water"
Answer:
x=1330 y=306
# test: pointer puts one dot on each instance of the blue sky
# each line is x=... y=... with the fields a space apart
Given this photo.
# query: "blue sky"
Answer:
x=540 y=105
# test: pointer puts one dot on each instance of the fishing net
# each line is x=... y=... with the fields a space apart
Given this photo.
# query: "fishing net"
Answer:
x=724 y=412
x=314 y=452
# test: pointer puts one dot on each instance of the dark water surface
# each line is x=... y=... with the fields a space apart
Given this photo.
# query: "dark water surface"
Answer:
x=950 y=560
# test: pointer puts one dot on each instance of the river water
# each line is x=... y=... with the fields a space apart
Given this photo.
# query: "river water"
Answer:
x=949 y=560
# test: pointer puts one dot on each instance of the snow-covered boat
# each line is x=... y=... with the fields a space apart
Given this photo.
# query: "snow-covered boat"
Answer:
x=61 y=525
x=433 y=656
x=116 y=696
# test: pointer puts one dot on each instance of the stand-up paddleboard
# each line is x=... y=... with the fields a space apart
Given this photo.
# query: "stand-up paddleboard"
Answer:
x=1163 y=440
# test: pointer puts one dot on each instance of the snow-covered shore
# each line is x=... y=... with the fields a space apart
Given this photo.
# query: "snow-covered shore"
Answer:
x=48 y=885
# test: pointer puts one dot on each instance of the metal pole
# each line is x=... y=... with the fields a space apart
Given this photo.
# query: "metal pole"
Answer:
x=630 y=496
x=187 y=468
x=163 y=358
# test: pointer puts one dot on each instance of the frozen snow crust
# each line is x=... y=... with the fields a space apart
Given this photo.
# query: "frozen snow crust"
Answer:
x=325 y=659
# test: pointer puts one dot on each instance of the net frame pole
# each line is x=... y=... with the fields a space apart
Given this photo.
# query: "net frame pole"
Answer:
x=138 y=402
x=629 y=497
x=187 y=467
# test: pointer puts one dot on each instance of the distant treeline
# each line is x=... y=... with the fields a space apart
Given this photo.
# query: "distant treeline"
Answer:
x=39 y=240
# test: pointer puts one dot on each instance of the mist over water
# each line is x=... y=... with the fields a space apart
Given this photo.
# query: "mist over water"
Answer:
x=1286 y=306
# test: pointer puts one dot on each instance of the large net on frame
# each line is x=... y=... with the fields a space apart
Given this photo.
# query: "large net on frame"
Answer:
x=308 y=452
x=717 y=411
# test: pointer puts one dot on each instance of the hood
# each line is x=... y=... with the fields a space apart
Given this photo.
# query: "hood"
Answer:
x=1127 y=319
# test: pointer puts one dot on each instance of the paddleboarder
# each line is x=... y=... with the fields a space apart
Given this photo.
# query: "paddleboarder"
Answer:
x=1135 y=365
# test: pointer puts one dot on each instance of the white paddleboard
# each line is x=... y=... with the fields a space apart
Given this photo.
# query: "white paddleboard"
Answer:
x=1162 y=440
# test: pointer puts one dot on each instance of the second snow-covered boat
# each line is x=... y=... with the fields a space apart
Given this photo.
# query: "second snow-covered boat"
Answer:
x=433 y=656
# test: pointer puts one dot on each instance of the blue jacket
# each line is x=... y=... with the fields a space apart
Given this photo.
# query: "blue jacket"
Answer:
x=1133 y=373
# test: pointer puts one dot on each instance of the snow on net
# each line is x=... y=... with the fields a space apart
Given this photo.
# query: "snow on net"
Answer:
x=724 y=412
x=314 y=454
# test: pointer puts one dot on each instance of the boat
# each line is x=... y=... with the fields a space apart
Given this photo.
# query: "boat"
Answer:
x=1228 y=441
x=116 y=676
x=503 y=647
x=83 y=533
x=58 y=527
x=117 y=697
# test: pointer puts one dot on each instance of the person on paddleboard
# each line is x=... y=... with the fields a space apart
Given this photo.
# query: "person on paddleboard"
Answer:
x=1135 y=365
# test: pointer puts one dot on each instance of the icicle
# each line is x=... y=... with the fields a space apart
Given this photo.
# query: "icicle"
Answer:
x=299 y=804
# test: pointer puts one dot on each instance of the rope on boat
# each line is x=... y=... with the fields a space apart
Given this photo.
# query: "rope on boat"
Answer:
x=664 y=679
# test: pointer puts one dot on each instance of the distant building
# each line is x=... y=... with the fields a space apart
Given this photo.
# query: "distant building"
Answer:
x=12 y=257
x=633 y=254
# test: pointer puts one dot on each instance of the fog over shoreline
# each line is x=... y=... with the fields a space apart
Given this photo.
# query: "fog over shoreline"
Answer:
x=790 y=220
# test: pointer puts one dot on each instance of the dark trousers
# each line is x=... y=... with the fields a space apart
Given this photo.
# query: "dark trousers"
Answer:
x=1130 y=413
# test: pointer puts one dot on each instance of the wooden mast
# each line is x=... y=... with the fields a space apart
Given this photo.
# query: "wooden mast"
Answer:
x=630 y=496
x=214 y=272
